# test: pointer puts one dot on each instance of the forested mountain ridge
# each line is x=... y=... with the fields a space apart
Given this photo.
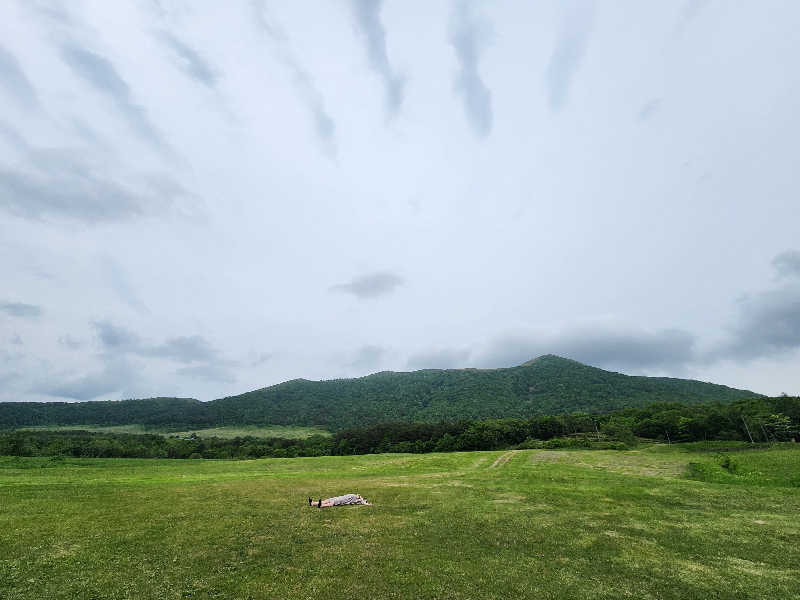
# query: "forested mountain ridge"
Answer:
x=544 y=386
x=148 y=411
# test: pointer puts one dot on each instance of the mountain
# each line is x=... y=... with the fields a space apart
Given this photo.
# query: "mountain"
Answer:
x=546 y=385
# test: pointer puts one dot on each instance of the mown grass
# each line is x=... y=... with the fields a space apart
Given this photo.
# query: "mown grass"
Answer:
x=523 y=524
x=227 y=432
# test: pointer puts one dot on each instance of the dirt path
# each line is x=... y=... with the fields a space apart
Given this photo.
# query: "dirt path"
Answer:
x=503 y=459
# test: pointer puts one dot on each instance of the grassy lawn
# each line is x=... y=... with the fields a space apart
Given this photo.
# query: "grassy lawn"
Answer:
x=661 y=522
x=259 y=431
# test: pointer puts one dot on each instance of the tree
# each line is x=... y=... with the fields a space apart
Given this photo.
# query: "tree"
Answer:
x=779 y=427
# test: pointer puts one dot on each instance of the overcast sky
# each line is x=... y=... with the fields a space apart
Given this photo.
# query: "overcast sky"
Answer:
x=203 y=198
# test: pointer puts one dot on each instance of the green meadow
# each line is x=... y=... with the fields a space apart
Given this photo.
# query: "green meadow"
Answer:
x=659 y=522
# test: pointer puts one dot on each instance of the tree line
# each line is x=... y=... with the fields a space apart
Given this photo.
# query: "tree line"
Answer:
x=761 y=420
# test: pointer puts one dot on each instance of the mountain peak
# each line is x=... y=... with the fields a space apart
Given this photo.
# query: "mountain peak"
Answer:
x=548 y=358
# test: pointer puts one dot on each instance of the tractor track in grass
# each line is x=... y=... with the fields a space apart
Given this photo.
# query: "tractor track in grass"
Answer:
x=503 y=459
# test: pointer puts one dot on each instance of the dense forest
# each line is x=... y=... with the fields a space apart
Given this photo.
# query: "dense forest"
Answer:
x=150 y=411
x=544 y=386
x=759 y=420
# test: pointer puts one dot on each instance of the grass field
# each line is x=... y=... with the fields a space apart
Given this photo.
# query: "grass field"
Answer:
x=230 y=432
x=661 y=522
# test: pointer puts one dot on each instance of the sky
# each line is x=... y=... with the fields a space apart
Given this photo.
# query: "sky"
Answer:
x=199 y=198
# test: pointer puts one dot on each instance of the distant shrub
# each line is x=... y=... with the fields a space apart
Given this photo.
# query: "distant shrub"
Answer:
x=571 y=442
x=728 y=463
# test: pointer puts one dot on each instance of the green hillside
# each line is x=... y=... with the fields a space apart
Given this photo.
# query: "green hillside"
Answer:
x=546 y=385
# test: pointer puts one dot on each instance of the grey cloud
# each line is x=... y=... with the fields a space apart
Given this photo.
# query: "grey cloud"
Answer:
x=768 y=322
x=468 y=37
x=649 y=109
x=445 y=358
x=16 y=340
x=114 y=337
x=324 y=125
x=569 y=50
x=51 y=12
x=598 y=346
x=113 y=377
x=665 y=349
x=101 y=74
x=20 y=309
x=367 y=13
x=14 y=80
x=368 y=358
x=190 y=61
x=80 y=195
x=118 y=342
x=787 y=264
x=185 y=349
x=769 y=325
x=62 y=183
x=208 y=372
x=370 y=286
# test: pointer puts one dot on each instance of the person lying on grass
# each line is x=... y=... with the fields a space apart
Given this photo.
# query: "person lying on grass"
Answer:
x=339 y=501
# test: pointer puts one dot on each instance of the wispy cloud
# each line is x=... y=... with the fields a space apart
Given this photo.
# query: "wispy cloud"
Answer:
x=649 y=109
x=14 y=81
x=367 y=16
x=73 y=192
x=323 y=123
x=570 y=48
x=121 y=286
x=21 y=310
x=468 y=36
x=65 y=183
x=189 y=61
x=688 y=13
x=370 y=286
x=101 y=74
